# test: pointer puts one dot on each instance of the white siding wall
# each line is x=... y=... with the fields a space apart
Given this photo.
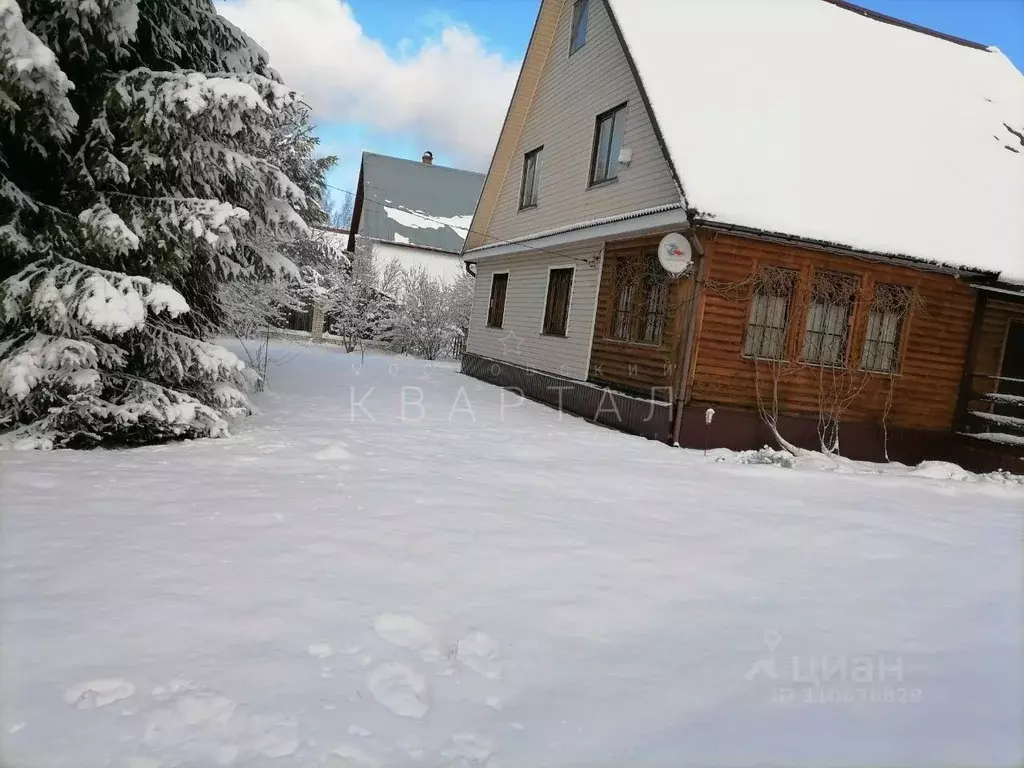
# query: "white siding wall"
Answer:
x=572 y=92
x=442 y=266
x=524 y=312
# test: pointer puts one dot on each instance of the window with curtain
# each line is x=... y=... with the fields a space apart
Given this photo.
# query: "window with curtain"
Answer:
x=881 y=352
x=641 y=298
x=622 y=314
x=769 y=314
x=827 y=329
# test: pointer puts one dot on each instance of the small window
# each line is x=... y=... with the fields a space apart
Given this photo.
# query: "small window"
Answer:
x=556 y=308
x=769 y=314
x=654 y=313
x=827 y=329
x=622 y=315
x=579 y=26
x=641 y=298
x=531 y=176
x=881 y=352
x=496 y=308
x=607 y=144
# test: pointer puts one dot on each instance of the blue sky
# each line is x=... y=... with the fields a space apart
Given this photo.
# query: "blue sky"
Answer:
x=387 y=76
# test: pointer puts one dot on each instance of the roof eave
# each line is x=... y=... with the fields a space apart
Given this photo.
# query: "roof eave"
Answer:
x=842 y=250
x=632 y=224
x=1001 y=287
x=417 y=246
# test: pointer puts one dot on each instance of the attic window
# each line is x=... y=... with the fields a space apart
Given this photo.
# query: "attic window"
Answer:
x=579 y=26
x=607 y=144
x=528 y=189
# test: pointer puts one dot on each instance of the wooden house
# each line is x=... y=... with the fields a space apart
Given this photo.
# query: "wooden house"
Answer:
x=851 y=187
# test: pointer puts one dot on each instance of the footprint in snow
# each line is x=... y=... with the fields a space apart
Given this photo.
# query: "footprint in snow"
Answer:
x=320 y=650
x=347 y=756
x=98 y=693
x=479 y=652
x=398 y=689
x=333 y=452
x=273 y=735
x=203 y=727
x=407 y=632
x=494 y=703
x=470 y=747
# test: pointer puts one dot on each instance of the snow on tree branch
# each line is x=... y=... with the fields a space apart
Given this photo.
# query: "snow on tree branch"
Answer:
x=149 y=155
x=32 y=81
x=62 y=295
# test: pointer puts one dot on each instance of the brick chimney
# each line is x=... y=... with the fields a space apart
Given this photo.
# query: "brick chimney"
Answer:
x=428 y=158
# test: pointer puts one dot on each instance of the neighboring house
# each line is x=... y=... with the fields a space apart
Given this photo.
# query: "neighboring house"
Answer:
x=416 y=213
x=851 y=186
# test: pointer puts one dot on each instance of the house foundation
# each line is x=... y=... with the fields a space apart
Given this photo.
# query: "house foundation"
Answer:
x=735 y=428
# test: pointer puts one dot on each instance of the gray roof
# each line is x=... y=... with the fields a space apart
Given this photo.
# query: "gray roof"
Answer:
x=410 y=202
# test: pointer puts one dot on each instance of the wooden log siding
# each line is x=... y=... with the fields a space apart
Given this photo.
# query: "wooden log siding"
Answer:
x=644 y=369
x=933 y=347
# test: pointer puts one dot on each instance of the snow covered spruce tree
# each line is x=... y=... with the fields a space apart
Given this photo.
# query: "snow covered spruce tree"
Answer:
x=252 y=304
x=140 y=166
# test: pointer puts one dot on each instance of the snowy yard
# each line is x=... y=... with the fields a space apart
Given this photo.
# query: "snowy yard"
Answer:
x=486 y=583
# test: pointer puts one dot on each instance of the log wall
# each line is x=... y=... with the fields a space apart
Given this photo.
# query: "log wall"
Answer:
x=934 y=341
x=635 y=367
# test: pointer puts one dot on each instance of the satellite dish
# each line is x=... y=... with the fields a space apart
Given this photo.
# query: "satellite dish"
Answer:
x=675 y=253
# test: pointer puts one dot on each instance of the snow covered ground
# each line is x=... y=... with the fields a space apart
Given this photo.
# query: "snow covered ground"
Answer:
x=486 y=583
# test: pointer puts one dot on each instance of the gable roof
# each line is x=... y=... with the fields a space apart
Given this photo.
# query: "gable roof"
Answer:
x=408 y=202
x=813 y=119
x=541 y=38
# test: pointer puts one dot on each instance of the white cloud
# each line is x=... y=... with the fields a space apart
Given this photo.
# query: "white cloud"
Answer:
x=449 y=93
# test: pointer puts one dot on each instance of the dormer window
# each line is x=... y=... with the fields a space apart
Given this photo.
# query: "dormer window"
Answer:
x=579 y=26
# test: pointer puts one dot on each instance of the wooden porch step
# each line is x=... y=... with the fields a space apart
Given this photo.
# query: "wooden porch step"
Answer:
x=1001 y=438
x=1013 y=422
x=1002 y=398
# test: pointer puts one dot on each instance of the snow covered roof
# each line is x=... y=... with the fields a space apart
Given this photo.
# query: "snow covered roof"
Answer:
x=412 y=203
x=812 y=119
